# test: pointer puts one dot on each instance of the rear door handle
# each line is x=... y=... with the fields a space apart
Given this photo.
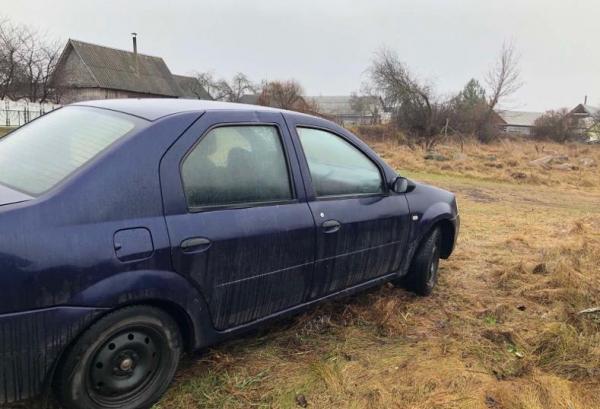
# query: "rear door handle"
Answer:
x=331 y=226
x=195 y=244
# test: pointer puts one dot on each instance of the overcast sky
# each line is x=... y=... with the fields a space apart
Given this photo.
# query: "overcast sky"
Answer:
x=327 y=44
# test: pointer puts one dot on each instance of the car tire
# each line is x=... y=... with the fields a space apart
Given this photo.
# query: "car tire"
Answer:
x=126 y=360
x=423 y=271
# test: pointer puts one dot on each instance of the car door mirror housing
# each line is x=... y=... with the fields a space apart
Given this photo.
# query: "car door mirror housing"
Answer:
x=402 y=185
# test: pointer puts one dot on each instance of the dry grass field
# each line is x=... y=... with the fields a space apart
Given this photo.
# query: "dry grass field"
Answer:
x=502 y=331
x=4 y=131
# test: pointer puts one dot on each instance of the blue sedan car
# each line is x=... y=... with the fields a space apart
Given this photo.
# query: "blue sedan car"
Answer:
x=133 y=230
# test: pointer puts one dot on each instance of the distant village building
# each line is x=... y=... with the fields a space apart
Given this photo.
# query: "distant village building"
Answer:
x=346 y=110
x=586 y=121
x=88 y=71
x=517 y=122
x=352 y=110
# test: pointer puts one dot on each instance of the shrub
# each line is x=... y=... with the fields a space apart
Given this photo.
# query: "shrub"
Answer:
x=557 y=126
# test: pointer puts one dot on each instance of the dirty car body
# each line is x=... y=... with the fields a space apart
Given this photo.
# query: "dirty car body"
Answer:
x=134 y=220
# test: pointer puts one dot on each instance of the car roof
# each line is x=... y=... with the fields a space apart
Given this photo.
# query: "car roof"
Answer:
x=155 y=108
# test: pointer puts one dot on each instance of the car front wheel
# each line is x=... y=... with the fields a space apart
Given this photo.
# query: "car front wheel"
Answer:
x=423 y=272
x=126 y=360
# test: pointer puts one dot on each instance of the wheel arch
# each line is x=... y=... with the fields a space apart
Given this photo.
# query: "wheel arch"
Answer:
x=445 y=227
x=440 y=215
x=191 y=317
x=176 y=312
x=448 y=234
x=163 y=289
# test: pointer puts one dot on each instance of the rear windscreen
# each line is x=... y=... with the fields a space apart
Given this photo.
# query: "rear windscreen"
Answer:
x=37 y=156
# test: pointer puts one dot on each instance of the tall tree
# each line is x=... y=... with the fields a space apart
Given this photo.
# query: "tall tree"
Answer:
x=468 y=108
x=503 y=80
x=472 y=94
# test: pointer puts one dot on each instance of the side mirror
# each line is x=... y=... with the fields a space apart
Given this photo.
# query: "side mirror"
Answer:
x=402 y=185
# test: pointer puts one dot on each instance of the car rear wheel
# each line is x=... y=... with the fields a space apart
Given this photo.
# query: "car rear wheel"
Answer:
x=126 y=360
x=423 y=272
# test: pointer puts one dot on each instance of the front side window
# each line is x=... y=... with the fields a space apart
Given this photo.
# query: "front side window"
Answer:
x=236 y=165
x=336 y=167
x=39 y=155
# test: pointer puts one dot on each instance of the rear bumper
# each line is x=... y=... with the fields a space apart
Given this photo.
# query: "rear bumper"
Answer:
x=31 y=343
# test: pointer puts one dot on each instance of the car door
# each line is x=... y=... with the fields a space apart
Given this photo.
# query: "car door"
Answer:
x=237 y=216
x=362 y=226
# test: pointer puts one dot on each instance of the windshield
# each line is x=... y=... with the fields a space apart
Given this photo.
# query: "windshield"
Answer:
x=39 y=155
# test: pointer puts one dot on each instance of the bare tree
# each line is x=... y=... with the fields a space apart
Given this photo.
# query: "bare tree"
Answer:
x=503 y=80
x=49 y=56
x=416 y=108
x=286 y=95
x=207 y=81
x=10 y=44
x=26 y=63
x=29 y=61
x=225 y=90
x=234 y=90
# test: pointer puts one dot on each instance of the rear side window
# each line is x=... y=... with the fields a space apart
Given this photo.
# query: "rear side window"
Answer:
x=39 y=155
x=336 y=167
x=236 y=165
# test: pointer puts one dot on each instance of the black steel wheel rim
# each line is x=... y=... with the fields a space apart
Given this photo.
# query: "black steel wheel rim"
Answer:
x=125 y=366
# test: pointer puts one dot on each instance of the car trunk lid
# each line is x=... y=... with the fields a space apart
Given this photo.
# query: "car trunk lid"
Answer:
x=9 y=196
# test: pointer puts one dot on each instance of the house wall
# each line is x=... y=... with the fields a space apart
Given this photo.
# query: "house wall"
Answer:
x=518 y=130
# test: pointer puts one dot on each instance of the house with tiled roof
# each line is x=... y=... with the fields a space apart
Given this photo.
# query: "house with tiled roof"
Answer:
x=88 y=71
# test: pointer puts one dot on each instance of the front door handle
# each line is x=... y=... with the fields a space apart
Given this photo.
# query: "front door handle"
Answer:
x=331 y=226
x=195 y=244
